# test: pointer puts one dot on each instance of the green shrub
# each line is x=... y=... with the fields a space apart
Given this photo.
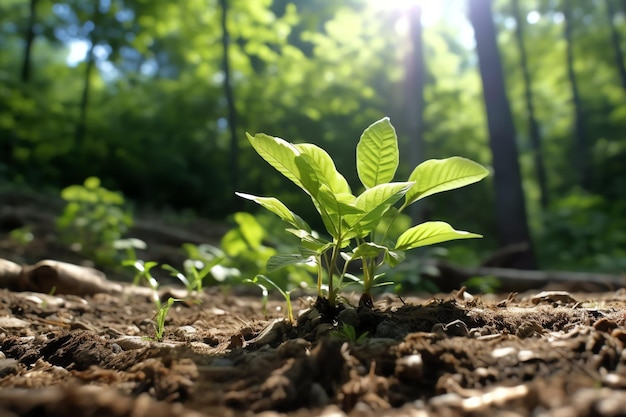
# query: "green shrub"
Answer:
x=94 y=218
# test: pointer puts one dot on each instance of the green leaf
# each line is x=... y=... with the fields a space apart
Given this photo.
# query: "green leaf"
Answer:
x=334 y=207
x=437 y=175
x=278 y=208
x=310 y=242
x=368 y=250
x=324 y=167
x=280 y=261
x=377 y=154
x=278 y=153
x=430 y=233
x=394 y=257
x=252 y=232
x=374 y=202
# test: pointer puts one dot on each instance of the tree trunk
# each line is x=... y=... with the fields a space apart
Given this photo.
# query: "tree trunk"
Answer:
x=581 y=157
x=414 y=99
x=509 y=195
x=81 y=126
x=616 y=43
x=28 y=46
x=230 y=100
x=533 y=126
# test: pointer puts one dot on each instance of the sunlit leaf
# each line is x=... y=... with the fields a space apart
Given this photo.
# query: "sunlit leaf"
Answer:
x=334 y=208
x=278 y=153
x=437 y=175
x=278 y=208
x=430 y=233
x=324 y=167
x=377 y=154
x=374 y=202
x=368 y=250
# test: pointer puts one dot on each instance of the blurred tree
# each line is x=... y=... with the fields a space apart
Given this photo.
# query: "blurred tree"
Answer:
x=533 y=126
x=232 y=110
x=581 y=151
x=510 y=203
x=30 y=37
x=616 y=42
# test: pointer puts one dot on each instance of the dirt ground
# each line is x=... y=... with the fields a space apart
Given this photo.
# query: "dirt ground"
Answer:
x=531 y=354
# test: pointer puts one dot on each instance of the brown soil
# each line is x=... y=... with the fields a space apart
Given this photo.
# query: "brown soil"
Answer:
x=67 y=355
x=534 y=354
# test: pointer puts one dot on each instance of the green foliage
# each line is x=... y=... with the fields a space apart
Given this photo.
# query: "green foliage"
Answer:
x=252 y=247
x=350 y=219
x=155 y=121
x=93 y=220
x=585 y=230
x=22 y=235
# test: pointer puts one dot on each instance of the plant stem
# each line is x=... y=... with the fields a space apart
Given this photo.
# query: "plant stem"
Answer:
x=331 y=272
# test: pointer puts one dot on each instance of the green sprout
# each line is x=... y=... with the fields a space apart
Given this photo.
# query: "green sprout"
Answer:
x=351 y=220
x=143 y=271
x=160 y=317
x=195 y=273
x=286 y=294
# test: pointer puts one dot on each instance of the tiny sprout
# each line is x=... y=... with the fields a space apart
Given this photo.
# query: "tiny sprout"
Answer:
x=286 y=294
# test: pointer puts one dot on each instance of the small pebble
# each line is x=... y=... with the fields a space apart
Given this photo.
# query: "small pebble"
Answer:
x=13 y=323
x=561 y=297
x=8 y=367
x=186 y=332
x=132 y=342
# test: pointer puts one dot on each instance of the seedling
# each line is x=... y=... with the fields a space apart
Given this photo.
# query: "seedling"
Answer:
x=143 y=271
x=286 y=294
x=195 y=273
x=351 y=221
x=160 y=317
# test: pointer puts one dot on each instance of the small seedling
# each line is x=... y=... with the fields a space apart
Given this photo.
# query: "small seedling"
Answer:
x=160 y=317
x=351 y=220
x=285 y=294
x=195 y=273
x=143 y=272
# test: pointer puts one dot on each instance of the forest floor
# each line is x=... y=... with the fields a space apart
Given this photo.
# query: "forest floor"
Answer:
x=537 y=353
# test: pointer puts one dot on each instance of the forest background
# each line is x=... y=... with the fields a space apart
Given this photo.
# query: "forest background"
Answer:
x=154 y=97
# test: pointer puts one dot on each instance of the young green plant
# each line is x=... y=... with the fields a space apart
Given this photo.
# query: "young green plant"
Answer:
x=286 y=294
x=161 y=315
x=142 y=270
x=351 y=220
